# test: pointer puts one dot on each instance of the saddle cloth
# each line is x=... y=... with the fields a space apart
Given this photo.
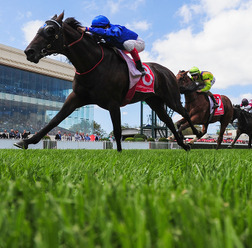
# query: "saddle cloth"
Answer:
x=138 y=82
x=220 y=109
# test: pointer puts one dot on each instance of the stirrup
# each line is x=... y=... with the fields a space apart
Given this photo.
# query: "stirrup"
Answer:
x=143 y=73
x=141 y=70
x=215 y=106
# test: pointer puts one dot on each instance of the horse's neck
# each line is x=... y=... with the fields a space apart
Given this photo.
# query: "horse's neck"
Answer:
x=84 y=54
x=191 y=98
x=237 y=113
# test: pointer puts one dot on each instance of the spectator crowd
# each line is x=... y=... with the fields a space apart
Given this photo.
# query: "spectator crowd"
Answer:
x=78 y=136
x=14 y=134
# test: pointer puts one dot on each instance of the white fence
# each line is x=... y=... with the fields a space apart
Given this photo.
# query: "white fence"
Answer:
x=45 y=144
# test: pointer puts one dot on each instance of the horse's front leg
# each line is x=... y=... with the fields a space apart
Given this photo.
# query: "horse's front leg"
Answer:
x=203 y=132
x=115 y=115
x=72 y=102
x=194 y=120
x=178 y=124
x=190 y=122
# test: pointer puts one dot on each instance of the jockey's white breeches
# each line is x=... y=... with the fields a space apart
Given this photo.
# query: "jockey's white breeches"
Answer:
x=139 y=44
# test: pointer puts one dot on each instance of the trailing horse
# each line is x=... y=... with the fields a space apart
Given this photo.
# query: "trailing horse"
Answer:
x=244 y=124
x=198 y=107
x=101 y=78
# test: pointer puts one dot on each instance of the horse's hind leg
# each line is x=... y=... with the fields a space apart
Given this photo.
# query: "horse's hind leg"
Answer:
x=222 y=130
x=181 y=122
x=157 y=105
x=69 y=106
x=115 y=115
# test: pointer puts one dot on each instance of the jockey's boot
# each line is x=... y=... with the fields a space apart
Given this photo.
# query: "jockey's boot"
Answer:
x=137 y=60
x=215 y=104
x=139 y=67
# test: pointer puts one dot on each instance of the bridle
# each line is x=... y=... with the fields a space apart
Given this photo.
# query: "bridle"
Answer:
x=53 y=35
x=183 y=78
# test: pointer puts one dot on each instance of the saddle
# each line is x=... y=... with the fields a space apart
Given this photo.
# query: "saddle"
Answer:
x=137 y=82
x=220 y=109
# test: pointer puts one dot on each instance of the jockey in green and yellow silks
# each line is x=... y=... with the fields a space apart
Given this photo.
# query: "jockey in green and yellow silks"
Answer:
x=206 y=78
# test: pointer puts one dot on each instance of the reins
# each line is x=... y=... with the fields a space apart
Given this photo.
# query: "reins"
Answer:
x=64 y=46
x=193 y=98
x=73 y=43
x=83 y=73
x=102 y=52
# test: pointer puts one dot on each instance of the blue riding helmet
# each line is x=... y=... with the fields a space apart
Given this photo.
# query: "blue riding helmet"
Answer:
x=100 y=21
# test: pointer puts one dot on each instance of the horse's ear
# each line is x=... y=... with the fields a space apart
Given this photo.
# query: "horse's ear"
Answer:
x=54 y=17
x=60 y=17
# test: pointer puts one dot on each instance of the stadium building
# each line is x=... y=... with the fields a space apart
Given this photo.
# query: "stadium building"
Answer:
x=32 y=94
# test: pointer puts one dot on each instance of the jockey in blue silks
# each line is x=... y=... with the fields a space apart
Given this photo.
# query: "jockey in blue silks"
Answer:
x=119 y=37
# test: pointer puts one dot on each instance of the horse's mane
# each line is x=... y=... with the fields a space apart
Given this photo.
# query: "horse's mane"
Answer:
x=246 y=113
x=71 y=21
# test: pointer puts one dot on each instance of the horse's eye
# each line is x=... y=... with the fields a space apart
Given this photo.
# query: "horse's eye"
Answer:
x=49 y=30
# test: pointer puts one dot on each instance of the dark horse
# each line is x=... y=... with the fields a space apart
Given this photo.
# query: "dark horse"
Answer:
x=198 y=106
x=101 y=78
x=244 y=124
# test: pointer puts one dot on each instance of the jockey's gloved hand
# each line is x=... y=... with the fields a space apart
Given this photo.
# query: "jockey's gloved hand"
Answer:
x=82 y=29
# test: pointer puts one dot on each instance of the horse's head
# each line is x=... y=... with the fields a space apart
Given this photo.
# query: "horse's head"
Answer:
x=186 y=84
x=244 y=117
x=237 y=106
x=181 y=75
x=48 y=40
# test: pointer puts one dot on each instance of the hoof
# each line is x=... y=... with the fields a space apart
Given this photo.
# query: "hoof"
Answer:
x=187 y=147
x=200 y=134
x=21 y=145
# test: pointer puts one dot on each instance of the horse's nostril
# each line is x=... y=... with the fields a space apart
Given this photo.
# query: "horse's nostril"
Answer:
x=29 y=52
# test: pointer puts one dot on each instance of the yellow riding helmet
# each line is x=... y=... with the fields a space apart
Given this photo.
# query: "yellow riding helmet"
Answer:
x=194 y=71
